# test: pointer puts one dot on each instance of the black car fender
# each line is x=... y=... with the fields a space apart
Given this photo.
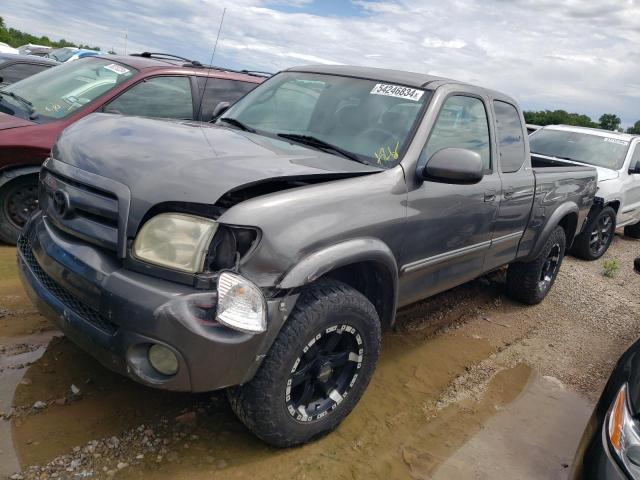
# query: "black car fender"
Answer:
x=569 y=211
x=8 y=175
x=348 y=252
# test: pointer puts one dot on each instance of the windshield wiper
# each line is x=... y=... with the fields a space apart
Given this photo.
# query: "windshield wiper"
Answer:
x=237 y=123
x=22 y=100
x=316 y=142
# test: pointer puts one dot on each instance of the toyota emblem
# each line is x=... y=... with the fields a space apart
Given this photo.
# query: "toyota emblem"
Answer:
x=60 y=203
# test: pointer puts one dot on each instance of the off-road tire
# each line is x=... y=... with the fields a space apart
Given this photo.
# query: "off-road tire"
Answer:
x=580 y=246
x=9 y=231
x=260 y=404
x=632 y=231
x=523 y=278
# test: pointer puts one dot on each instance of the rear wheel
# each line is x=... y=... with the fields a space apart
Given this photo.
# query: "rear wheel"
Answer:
x=598 y=234
x=317 y=369
x=18 y=200
x=632 y=231
x=529 y=282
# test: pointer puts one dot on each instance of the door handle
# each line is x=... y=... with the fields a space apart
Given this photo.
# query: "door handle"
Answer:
x=508 y=193
x=489 y=195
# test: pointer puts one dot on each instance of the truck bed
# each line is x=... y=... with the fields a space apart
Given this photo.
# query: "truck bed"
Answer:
x=556 y=184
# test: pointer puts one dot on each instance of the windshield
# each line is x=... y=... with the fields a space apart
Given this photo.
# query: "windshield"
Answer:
x=365 y=120
x=62 y=54
x=596 y=150
x=58 y=92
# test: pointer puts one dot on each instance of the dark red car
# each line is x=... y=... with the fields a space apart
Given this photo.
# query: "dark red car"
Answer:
x=34 y=111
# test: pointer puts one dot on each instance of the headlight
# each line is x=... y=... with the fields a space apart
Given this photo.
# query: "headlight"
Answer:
x=241 y=304
x=624 y=434
x=175 y=240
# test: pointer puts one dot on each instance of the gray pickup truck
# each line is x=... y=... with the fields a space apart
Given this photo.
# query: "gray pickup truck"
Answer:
x=266 y=252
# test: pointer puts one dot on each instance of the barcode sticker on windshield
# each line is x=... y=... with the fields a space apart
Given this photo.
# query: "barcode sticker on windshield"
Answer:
x=616 y=140
x=397 y=91
x=119 y=69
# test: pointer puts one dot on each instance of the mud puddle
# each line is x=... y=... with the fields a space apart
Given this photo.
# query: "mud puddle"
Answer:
x=524 y=426
x=459 y=392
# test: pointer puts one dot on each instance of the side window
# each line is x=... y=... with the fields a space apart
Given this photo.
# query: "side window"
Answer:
x=510 y=137
x=462 y=123
x=18 y=71
x=219 y=90
x=635 y=160
x=161 y=97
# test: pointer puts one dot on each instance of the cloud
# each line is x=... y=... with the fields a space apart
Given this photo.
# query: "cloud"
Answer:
x=438 y=43
x=568 y=54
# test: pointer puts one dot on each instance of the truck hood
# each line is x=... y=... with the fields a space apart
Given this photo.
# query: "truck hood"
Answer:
x=171 y=161
x=10 y=121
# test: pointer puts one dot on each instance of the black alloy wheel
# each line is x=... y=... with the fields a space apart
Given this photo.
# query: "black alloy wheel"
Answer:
x=601 y=235
x=324 y=373
x=20 y=203
x=550 y=267
x=317 y=368
x=596 y=236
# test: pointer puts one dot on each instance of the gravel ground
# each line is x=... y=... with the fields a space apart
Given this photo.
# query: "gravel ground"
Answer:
x=434 y=389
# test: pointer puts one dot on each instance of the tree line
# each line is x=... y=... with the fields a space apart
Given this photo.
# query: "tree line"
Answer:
x=16 y=38
x=608 y=121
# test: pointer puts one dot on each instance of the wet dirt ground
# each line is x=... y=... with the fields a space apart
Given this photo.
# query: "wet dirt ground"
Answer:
x=470 y=385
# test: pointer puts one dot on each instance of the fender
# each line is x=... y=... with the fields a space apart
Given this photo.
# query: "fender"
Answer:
x=356 y=250
x=559 y=213
x=8 y=175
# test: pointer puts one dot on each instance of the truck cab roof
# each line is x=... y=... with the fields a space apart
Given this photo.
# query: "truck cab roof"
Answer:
x=410 y=79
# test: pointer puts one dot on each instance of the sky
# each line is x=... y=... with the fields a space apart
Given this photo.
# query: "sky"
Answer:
x=578 y=55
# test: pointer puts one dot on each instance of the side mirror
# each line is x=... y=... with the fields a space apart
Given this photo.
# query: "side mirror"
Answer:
x=454 y=165
x=219 y=109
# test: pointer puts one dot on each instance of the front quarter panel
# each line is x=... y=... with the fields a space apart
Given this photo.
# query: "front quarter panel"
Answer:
x=299 y=222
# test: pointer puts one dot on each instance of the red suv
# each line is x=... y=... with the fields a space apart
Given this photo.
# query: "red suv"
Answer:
x=34 y=111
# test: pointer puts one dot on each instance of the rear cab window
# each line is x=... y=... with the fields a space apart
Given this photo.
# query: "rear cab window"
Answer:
x=510 y=137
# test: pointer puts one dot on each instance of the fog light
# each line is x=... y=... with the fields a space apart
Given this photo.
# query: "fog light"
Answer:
x=163 y=359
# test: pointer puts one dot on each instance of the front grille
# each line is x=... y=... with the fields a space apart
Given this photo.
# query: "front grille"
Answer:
x=80 y=210
x=69 y=300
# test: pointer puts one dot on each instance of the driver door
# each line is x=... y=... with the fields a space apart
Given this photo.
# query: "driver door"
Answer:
x=449 y=226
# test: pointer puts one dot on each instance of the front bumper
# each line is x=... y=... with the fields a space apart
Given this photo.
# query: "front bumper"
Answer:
x=116 y=315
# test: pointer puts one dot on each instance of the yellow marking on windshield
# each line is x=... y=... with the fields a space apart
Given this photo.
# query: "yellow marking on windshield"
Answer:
x=385 y=155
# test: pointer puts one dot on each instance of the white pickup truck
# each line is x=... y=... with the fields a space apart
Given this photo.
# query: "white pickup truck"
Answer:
x=617 y=159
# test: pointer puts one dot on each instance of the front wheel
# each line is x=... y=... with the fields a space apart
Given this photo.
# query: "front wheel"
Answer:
x=18 y=200
x=529 y=282
x=317 y=369
x=597 y=235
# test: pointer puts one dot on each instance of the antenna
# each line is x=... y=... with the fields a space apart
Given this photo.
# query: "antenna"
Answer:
x=215 y=45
